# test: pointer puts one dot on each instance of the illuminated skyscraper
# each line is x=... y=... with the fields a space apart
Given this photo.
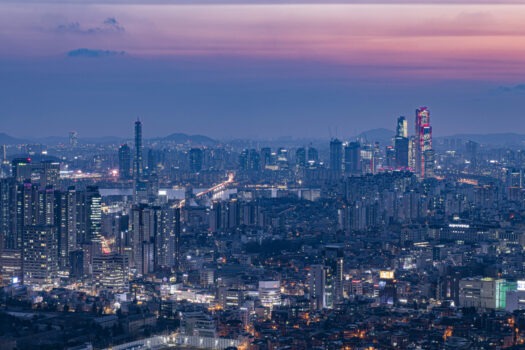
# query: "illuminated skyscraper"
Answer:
x=39 y=255
x=401 y=144
x=424 y=154
x=402 y=127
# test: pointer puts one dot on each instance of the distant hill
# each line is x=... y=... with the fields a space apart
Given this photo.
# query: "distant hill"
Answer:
x=9 y=140
x=180 y=138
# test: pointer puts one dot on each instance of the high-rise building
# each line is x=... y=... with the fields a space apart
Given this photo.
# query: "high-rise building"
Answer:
x=336 y=157
x=270 y=293
x=401 y=144
x=39 y=255
x=352 y=158
x=424 y=155
x=111 y=271
x=67 y=229
x=387 y=288
x=402 y=127
x=73 y=139
x=50 y=174
x=390 y=153
x=195 y=160
x=124 y=162
x=89 y=220
x=167 y=239
x=300 y=157
x=8 y=205
x=146 y=222
x=402 y=148
x=334 y=260
x=313 y=155
x=316 y=287
x=138 y=166
x=471 y=148
x=21 y=169
x=249 y=160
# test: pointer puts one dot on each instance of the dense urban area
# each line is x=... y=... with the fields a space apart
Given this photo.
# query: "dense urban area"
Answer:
x=382 y=241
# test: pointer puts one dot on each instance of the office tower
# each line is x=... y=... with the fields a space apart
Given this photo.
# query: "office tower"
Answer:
x=402 y=150
x=390 y=153
x=352 y=158
x=300 y=157
x=402 y=127
x=313 y=155
x=138 y=167
x=21 y=169
x=412 y=152
x=89 y=219
x=316 y=287
x=167 y=238
x=124 y=162
x=334 y=260
x=5 y=169
x=73 y=139
x=401 y=144
x=39 y=255
x=67 y=221
x=11 y=266
x=111 y=271
x=387 y=288
x=8 y=205
x=424 y=155
x=471 y=154
x=50 y=174
x=178 y=228
x=249 y=160
x=145 y=230
x=266 y=157
x=282 y=158
x=336 y=157
x=270 y=293
x=429 y=160
x=76 y=264
x=195 y=160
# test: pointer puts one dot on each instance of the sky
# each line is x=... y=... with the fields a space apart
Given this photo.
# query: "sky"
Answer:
x=259 y=69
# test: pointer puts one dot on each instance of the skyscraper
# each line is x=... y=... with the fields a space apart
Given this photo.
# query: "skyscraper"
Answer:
x=353 y=158
x=39 y=255
x=336 y=157
x=401 y=143
x=8 y=207
x=402 y=127
x=316 y=287
x=124 y=162
x=73 y=139
x=424 y=154
x=138 y=151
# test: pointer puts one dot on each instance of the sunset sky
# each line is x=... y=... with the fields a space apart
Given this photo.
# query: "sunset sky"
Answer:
x=259 y=68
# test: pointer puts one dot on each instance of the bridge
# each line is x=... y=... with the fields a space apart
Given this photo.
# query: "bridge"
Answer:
x=217 y=188
x=181 y=341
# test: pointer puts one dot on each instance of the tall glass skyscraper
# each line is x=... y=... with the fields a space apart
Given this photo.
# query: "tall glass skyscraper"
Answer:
x=424 y=154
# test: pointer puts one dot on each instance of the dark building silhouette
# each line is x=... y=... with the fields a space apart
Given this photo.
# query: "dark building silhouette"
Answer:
x=336 y=157
x=124 y=162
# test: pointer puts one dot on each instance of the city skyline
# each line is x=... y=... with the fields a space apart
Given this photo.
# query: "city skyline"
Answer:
x=262 y=69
